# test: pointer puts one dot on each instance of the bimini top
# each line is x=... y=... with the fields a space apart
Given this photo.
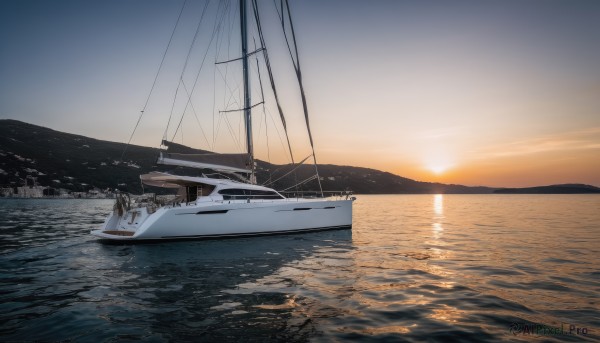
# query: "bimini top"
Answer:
x=165 y=180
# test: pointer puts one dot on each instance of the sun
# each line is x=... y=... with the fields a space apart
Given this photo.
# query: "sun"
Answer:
x=437 y=169
x=438 y=162
x=438 y=166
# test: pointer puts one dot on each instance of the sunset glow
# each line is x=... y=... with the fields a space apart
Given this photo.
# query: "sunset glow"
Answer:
x=437 y=169
x=438 y=164
x=475 y=93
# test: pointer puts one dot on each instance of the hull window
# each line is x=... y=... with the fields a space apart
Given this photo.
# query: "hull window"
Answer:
x=213 y=212
x=244 y=194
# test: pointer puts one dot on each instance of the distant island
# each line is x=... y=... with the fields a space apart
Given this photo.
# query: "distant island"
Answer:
x=553 y=189
x=38 y=161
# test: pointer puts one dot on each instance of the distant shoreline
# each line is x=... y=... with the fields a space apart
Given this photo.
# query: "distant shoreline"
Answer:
x=53 y=198
x=356 y=194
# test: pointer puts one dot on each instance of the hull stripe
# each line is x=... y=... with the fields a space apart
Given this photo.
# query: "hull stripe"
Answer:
x=131 y=240
x=260 y=233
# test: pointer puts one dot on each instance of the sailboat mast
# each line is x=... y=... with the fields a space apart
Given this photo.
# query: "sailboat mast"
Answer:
x=246 y=82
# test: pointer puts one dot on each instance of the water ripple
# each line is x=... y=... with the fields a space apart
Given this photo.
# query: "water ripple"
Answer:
x=414 y=268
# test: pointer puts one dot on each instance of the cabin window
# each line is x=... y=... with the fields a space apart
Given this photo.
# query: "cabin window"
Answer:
x=205 y=190
x=196 y=191
x=192 y=193
x=243 y=194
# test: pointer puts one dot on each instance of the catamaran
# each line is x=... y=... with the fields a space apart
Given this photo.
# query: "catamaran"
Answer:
x=207 y=207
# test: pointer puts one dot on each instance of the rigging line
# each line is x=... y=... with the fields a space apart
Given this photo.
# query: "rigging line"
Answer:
x=239 y=58
x=280 y=140
x=187 y=58
x=218 y=128
x=214 y=106
x=243 y=109
x=302 y=94
x=296 y=66
x=287 y=6
x=172 y=110
x=276 y=129
x=282 y=19
x=303 y=182
x=295 y=167
x=267 y=141
x=231 y=101
x=232 y=132
x=196 y=115
x=262 y=95
x=231 y=91
x=260 y=123
x=196 y=80
x=224 y=77
x=267 y=136
x=270 y=73
x=155 y=79
x=218 y=46
x=218 y=43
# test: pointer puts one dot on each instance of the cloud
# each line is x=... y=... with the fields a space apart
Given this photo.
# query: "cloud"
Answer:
x=588 y=139
x=440 y=133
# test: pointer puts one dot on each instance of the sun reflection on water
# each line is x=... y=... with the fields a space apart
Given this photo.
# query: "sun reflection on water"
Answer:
x=438 y=211
x=438 y=204
x=447 y=314
x=399 y=329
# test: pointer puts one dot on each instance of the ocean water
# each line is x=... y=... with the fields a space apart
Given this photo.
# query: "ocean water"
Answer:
x=413 y=268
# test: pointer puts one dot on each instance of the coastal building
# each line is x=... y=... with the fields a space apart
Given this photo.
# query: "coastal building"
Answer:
x=30 y=192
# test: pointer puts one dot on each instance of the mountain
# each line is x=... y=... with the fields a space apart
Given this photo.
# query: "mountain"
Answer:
x=553 y=189
x=63 y=160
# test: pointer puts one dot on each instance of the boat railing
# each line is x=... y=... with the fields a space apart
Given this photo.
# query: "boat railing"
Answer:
x=152 y=202
x=125 y=201
x=335 y=195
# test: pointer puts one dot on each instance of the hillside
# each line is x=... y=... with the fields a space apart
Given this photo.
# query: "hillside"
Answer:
x=553 y=189
x=78 y=163
x=66 y=160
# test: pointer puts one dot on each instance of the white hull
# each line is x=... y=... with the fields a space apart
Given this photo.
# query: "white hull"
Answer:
x=228 y=218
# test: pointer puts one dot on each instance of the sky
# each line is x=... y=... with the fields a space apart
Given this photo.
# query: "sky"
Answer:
x=495 y=93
